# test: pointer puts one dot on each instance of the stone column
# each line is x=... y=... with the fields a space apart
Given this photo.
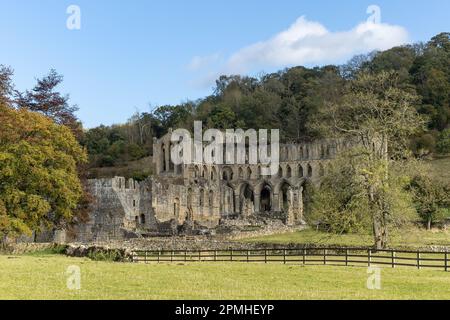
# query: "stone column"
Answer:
x=167 y=155
x=257 y=202
x=236 y=204
x=276 y=202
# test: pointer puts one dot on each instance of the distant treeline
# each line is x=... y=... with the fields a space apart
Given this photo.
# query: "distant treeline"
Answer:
x=288 y=100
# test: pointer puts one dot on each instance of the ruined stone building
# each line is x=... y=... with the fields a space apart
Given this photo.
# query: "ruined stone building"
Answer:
x=204 y=195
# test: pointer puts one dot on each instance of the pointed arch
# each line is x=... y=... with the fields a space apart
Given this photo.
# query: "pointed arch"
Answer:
x=288 y=171
x=300 y=171
x=310 y=170
x=249 y=173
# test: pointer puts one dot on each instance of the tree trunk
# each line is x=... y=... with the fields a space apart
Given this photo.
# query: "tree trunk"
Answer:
x=429 y=224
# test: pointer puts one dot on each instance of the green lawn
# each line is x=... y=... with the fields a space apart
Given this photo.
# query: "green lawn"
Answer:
x=404 y=238
x=43 y=277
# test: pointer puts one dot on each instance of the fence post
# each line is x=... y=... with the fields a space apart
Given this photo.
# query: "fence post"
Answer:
x=304 y=256
x=369 y=257
x=199 y=255
x=446 y=260
x=248 y=253
x=159 y=254
x=418 y=260
x=265 y=256
x=231 y=255
x=145 y=257
x=393 y=258
x=215 y=255
x=324 y=256
x=171 y=256
x=185 y=255
x=346 y=257
x=284 y=256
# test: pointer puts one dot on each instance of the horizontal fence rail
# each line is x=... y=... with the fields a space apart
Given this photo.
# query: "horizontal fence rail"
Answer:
x=313 y=256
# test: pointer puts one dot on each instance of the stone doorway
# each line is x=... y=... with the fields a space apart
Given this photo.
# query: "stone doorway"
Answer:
x=266 y=199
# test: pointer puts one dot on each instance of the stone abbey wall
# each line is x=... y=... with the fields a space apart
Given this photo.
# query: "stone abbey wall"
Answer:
x=119 y=206
x=205 y=194
x=208 y=193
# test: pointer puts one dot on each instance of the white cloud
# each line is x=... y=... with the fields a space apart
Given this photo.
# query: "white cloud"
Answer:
x=305 y=42
x=199 y=62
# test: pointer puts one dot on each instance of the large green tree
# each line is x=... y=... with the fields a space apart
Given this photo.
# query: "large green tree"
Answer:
x=39 y=185
x=379 y=117
x=431 y=198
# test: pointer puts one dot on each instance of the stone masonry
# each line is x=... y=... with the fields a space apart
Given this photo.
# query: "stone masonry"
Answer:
x=205 y=195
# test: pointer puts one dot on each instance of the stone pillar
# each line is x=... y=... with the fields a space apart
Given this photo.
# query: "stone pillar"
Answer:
x=276 y=202
x=167 y=155
x=157 y=155
x=257 y=202
x=300 y=204
x=236 y=203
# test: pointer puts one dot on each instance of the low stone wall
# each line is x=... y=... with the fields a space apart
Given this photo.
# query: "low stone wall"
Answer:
x=98 y=252
x=23 y=248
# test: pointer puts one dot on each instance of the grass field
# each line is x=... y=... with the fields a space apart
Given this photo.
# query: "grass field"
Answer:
x=405 y=238
x=44 y=277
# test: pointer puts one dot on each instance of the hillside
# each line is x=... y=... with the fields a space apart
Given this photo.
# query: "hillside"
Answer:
x=441 y=168
x=137 y=169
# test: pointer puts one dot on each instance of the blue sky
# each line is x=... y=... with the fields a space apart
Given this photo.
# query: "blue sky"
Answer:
x=129 y=54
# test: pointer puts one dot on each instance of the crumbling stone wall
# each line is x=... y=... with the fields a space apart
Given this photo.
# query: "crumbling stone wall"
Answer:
x=120 y=206
x=205 y=194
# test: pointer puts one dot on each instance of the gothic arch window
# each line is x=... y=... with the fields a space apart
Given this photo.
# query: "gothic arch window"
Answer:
x=300 y=171
x=196 y=172
x=213 y=174
x=227 y=174
x=322 y=151
x=163 y=156
x=202 y=198
x=289 y=171
x=211 y=199
x=310 y=171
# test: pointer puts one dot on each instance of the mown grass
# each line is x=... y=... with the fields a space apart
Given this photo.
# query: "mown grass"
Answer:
x=44 y=277
x=411 y=237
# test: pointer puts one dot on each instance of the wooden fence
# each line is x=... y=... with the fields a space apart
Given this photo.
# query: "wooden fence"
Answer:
x=306 y=256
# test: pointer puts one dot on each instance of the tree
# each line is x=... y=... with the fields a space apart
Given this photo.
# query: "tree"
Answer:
x=431 y=75
x=38 y=172
x=431 y=198
x=341 y=205
x=44 y=98
x=6 y=86
x=379 y=118
x=443 y=144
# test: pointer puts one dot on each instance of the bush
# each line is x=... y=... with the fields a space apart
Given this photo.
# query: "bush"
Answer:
x=140 y=175
x=443 y=144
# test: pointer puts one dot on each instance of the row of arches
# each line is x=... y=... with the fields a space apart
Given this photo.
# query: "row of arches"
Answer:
x=206 y=199
x=246 y=173
x=264 y=197
x=304 y=152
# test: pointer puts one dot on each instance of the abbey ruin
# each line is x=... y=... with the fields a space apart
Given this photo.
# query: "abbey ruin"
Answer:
x=203 y=196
